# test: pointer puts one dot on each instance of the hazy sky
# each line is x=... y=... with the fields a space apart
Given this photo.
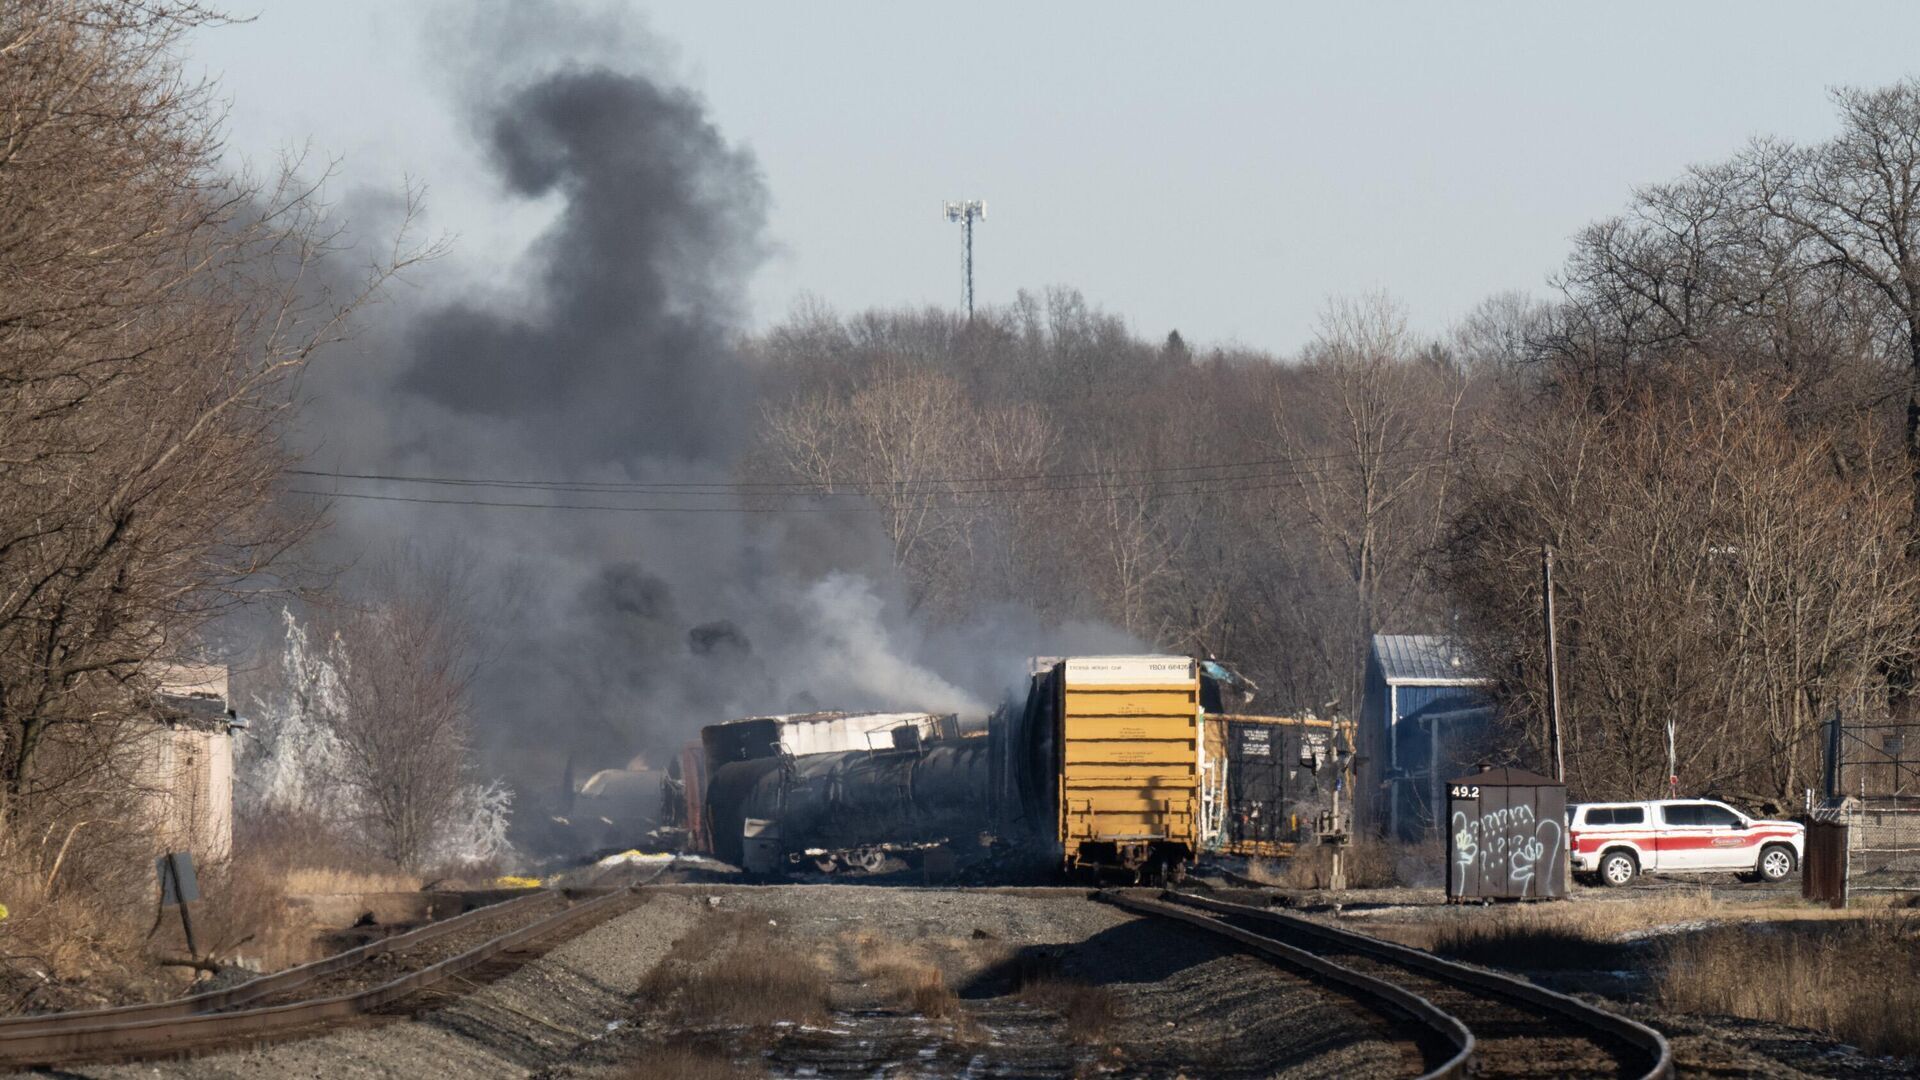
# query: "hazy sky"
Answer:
x=1218 y=168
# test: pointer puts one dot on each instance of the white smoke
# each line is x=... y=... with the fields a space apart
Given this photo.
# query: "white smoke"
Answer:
x=291 y=759
x=289 y=755
x=854 y=652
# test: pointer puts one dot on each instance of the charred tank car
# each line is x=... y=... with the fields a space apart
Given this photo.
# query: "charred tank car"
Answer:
x=835 y=789
x=851 y=808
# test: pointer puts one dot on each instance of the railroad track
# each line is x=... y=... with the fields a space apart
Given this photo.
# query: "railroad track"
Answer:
x=362 y=981
x=1474 y=1022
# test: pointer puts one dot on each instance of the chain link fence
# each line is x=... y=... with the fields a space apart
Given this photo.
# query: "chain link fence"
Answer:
x=1872 y=786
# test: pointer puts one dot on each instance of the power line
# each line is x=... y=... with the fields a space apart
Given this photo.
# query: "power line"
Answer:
x=924 y=501
x=1393 y=458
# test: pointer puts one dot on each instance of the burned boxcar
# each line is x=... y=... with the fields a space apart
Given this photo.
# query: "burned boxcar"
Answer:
x=1275 y=782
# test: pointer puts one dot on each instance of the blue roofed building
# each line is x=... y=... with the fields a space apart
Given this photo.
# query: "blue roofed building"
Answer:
x=1424 y=703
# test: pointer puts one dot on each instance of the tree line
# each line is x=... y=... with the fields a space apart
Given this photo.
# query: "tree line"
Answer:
x=1713 y=418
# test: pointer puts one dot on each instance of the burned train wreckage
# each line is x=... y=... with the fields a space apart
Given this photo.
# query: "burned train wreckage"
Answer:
x=1129 y=764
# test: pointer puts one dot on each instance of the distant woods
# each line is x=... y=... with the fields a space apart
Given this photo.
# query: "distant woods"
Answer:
x=1277 y=513
x=1715 y=421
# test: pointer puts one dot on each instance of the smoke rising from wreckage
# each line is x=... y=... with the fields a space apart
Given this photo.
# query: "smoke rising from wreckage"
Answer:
x=1106 y=764
x=606 y=354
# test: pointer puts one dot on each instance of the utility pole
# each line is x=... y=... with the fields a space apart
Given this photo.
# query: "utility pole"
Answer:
x=966 y=213
x=1553 y=664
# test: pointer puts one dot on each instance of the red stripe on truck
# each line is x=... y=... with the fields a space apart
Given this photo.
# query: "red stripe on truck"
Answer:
x=1588 y=843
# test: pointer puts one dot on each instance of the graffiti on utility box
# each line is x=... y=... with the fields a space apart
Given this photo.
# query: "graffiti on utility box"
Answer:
x=1510 y=838
x=1506 y=837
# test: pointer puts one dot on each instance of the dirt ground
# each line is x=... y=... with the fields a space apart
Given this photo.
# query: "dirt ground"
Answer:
x=1174 y=1002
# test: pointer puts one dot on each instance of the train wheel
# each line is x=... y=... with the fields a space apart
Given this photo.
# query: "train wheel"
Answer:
x=826 y=864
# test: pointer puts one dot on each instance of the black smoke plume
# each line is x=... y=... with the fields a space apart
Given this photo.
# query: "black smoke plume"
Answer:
x=606 y=353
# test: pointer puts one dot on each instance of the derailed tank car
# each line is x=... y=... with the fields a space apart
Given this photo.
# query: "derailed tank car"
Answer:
x=1100 y=768
x=850 y=809
x=737 y=780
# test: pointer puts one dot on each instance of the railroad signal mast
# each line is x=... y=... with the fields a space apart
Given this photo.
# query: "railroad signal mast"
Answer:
x=966 y=212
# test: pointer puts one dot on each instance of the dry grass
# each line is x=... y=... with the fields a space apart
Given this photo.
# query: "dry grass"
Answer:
x=243 y=918
x=81 y=896
x=1546 y=936
x=312 y=859
x=84 y=928
x=1088 y=1011
x=735 y=970
x=1857 y=980
x=908 y=976
x=912 y=975
x=1586 y=933
x=337 y=880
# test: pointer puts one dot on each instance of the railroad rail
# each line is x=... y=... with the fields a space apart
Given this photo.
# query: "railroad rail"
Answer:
x=237 y=1013
x=1496 y=1024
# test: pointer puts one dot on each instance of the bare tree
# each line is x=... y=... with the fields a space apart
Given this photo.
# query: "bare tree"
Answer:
x=152 y=315
x=1854 y=201
x=1373 y=432
x=929 y=460
x=407 y=660
x=1722 y=583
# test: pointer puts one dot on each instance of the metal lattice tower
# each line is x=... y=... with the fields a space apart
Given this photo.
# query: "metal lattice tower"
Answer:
x=966 y=213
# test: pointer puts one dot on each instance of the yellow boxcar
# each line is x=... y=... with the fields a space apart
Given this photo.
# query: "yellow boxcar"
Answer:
x=1128 y=762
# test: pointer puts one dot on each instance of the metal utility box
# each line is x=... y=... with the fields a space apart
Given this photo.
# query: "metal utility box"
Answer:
x=1506 y=836
x=1823 y=870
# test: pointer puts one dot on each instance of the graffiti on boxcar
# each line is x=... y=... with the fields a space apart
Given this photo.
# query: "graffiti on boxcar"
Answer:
x=1510 y=842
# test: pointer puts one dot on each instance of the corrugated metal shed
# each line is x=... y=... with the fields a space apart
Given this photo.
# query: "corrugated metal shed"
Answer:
x=1422 y=660
x=1410 y=677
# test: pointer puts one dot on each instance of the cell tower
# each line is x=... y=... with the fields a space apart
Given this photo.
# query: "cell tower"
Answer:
x=966 y=213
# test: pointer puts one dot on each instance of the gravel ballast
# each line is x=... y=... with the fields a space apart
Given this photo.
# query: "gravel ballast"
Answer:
x=1179 y=1001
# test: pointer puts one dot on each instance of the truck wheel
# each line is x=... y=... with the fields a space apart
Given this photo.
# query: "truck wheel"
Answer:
x=1776 y=862
x=1617 y=868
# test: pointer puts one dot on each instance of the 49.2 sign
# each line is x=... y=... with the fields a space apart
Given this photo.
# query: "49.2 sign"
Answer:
x=1464 y=791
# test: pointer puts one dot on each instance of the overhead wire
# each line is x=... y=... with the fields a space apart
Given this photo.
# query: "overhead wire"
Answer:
x=1109 y=492
x=840 y=487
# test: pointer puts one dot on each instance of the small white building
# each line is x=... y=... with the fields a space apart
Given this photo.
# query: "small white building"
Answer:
x=186 y=761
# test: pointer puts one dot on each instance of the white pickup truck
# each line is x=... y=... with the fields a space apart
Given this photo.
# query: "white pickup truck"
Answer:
x=1612 y=842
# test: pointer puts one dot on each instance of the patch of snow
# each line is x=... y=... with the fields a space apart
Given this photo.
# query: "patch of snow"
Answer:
x=1647 y=933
